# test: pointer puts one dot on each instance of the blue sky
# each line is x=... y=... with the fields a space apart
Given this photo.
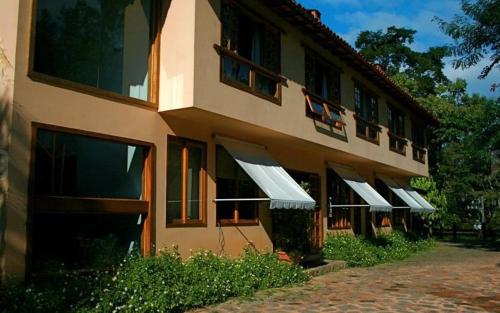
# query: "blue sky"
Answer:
x=349 y=17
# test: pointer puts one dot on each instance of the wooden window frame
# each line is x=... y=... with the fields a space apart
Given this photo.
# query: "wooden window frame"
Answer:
x=382 y=219
x=328 y=107
x=419 y=151
x=236 y=221
x=254 y=69
x=398 y=138
x=153 y=66
x=41 y=204
x=342 y=216
x=183 y=221
x=367 y=125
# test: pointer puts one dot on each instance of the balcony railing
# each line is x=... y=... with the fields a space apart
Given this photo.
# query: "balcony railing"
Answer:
x=419 y=153
x=244 y=74
x=324 y=110
x=367 y=130
x=397 y=143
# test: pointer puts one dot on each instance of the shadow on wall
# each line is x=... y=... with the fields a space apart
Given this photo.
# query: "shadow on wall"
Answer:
x=6 y=90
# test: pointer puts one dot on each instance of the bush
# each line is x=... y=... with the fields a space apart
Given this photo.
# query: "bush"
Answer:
x=160 y=284
x=358 y=251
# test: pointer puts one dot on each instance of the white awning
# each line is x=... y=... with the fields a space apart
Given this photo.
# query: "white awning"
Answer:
x=273 y=180
x=376 y=202
x=402 y=194
x=426 y=206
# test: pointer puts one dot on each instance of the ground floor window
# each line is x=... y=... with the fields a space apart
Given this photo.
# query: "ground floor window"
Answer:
x=234 y=183
x=382 y=219
x=339 y=193
x=186 y=182
x=91 y=200
x=398 y=217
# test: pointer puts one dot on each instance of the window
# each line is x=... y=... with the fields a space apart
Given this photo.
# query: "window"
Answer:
x=91 y=201
x=419 y=142
x=323 y=91
x=250 y=53
x=234 y=183
x=101 y=45
x=186 y=181
x=382 y=219
x=397 y=142
x=339 y=193
x=366 y=107
x=398 y=217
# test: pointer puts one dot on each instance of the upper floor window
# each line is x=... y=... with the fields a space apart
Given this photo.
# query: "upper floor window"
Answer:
x=396 y=121
x=322 y=91
x=366 y=107
x=95 y=46
x=419 y=142
x=250 y=53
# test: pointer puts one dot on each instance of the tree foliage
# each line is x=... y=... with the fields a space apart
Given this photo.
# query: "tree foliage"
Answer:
x=476 y=34
x=469 y=130
x=418 y=72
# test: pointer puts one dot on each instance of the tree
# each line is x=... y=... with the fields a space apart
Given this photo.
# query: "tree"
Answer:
x=476 y=34
x=417 y=72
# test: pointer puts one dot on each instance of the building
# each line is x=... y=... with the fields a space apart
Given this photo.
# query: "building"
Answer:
x=179 y=122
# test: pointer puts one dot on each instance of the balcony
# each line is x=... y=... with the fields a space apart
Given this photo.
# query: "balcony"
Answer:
x=367 y=130
x=419 y=153
x=246 y=75
x=397 y=144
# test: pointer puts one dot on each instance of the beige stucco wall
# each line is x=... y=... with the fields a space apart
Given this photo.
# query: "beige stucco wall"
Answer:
x=193 y=104
x=8 y=40
x=289 y=118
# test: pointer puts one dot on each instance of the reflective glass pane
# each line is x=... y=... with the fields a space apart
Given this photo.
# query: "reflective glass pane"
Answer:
x=235 y=71
x=265 y=85
x=193 y=178
x=102 y=44
x=77 y=241
x=174 y=181
x=81 y=166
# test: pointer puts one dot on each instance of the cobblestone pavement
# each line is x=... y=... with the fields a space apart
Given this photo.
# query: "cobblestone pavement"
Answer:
x=446 y=279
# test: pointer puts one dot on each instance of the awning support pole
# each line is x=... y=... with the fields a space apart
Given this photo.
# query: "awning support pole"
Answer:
x=242 y=199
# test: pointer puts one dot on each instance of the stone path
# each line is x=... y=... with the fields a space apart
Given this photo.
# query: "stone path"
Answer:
x=446 y=279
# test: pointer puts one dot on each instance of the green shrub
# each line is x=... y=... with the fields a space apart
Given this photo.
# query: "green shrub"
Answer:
x=358 y=251
x=159 y=284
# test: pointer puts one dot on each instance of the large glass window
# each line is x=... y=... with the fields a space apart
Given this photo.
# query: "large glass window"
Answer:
x=186 y=164
x=322 y=91
x=234 y=183
x=419 y=141
x=102 y=44
x=366 y=107
x=90 y=201
x=339 y=193
x=250 y=52
x=396 y=120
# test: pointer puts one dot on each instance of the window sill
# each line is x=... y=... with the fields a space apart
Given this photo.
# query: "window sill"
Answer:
x=249 y=90
x=187 y=224
x=340 y=228
x=403 y=153
x=225 y=223
x=255 y=68
x=362 y=136
x=89 y=90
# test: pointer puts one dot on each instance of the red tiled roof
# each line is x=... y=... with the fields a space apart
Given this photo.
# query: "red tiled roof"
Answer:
x=302 y=19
